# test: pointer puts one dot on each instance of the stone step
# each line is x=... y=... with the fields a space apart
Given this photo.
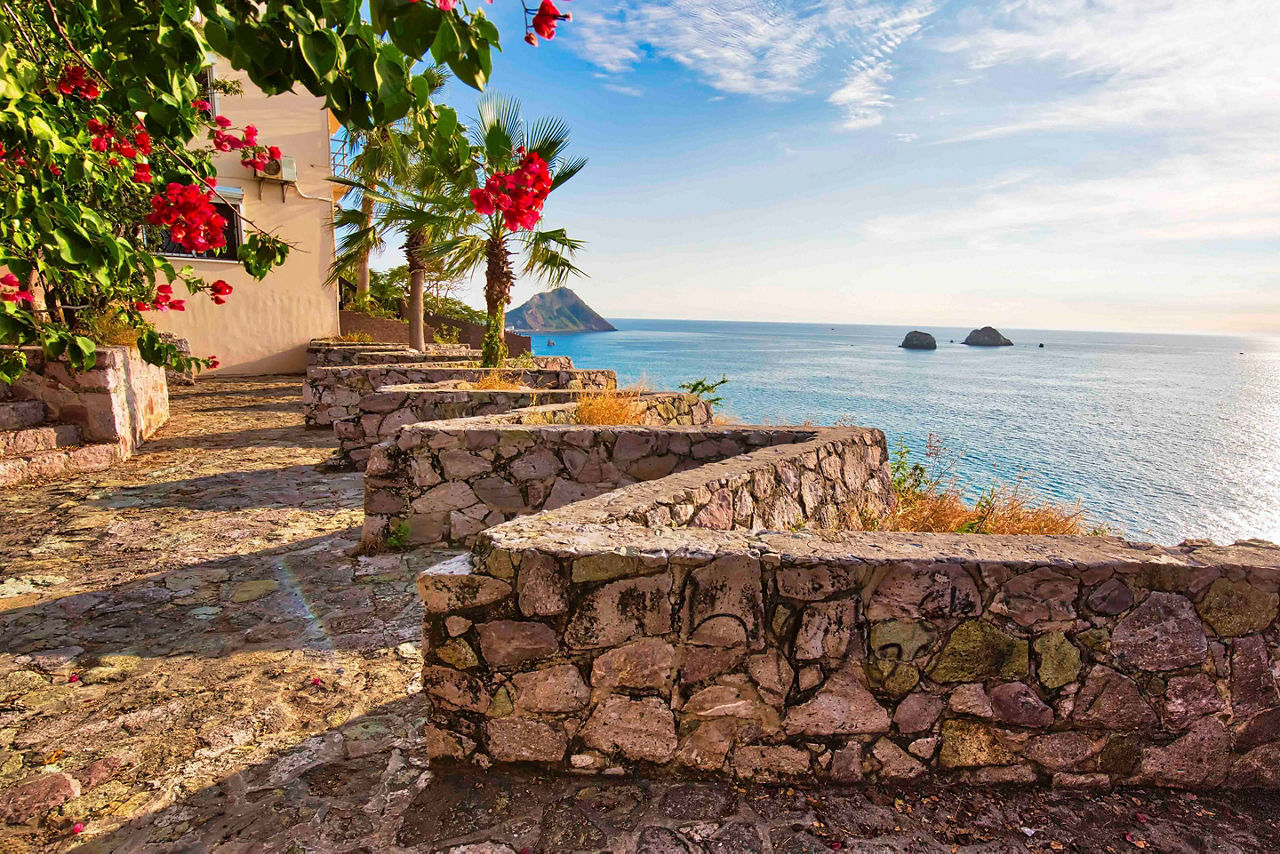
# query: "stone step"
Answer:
x=16 y=443
x=58 y=462
x=20 y=414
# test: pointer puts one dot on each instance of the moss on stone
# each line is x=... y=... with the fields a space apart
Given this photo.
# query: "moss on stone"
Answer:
x=1235 y=608
x=977 y=650
x=969 y=744
x=1059 y=660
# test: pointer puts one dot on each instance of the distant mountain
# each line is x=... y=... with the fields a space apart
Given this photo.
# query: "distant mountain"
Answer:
x=560 y=310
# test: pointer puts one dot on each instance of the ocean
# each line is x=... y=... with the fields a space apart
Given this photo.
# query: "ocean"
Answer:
x=1162 y=437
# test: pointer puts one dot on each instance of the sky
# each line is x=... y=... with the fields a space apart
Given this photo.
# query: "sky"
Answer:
x=1075 y=164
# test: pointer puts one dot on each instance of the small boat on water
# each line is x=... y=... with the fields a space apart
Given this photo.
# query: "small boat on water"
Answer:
x=550 y=343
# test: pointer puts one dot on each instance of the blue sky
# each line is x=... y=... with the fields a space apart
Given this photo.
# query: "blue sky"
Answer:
x=1112 y=164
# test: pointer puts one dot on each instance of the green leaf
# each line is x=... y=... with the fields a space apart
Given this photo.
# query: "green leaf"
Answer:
x=321 y=49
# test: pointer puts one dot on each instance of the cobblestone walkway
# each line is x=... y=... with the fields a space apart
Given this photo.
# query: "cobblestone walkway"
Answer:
x=192 y=659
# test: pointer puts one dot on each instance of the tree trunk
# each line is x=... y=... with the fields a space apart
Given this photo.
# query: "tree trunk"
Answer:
x=498 y=280
x=362 y=266
x=417 y=276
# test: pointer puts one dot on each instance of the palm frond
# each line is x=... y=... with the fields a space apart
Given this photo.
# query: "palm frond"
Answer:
x=459 y=255
x=566 y=170
x=548 y=256
x=548 y=136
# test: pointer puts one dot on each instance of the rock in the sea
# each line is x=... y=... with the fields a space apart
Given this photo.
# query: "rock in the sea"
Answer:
x=918 y=340
x=987 y=336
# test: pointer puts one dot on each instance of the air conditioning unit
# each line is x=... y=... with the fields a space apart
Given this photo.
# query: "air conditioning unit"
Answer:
x=284 y=170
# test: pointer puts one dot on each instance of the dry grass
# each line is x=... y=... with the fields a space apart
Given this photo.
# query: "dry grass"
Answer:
x=1000 y=510
x=356 y=337
x=930 y=501
x=620 y=406
x=497 y=381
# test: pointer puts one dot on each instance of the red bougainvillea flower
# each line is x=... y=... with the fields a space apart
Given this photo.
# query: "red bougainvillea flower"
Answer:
x=178 y=305
x=519 y=196
x=222 y=121
x=443 y=5
x=189 y=214
x=75 y=81
x=13 y=290
x=202 y=105
x=546 y=19
x=213 y=361
x=273 y=152
x=78 y=827
x=219 y=291
x=142 y=139
x=141 y=173
x=55 y=169
x=74 y=677
x=141 y=306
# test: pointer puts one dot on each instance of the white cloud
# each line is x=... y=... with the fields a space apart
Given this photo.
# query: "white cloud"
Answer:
x=769 y=48
x=1181 y=97
x=632 y=91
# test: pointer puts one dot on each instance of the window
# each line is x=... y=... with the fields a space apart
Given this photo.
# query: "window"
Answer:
x=226 y=253
x=204 y=79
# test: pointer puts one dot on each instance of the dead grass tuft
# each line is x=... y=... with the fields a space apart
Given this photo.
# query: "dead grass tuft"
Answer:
x=930 y=501
x=619 y=406
x=356 y=337
x=497 y=381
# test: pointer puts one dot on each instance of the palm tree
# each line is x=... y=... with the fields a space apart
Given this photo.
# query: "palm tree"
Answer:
x=370 y=157
x=482 y=241
x=423 y=201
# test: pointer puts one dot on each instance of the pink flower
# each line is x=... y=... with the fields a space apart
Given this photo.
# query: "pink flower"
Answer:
x=222 y=121
x=213 y=361
x=201 y=104
x=178 y=305
x=443 y=5
x=78 y=827
x=9 y=280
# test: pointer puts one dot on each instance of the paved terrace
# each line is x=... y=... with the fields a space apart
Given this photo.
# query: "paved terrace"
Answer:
x=191 y=659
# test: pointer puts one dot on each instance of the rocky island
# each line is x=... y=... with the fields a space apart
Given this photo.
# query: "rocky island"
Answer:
x=559 y=310
x=987 y=336
x=917 y=340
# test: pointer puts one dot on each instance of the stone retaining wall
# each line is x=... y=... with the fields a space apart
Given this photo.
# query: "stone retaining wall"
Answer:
x=121 y=400
x=445 y=482
x=333 y=352
x=384 y=412
x=1075 y=661
x=332 y=394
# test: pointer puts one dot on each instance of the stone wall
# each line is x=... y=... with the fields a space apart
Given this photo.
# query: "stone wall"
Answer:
x=445 y=482
x=848 y=657
x=384 y=412
x=332 y=394
x=333 y=352
x=122 y=400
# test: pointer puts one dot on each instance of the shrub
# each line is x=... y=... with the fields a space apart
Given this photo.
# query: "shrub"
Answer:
x=445 y=335
x=356 y=337
x=705 y=390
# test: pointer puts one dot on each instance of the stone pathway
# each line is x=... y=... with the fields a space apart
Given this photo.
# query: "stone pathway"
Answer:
x=192 y=659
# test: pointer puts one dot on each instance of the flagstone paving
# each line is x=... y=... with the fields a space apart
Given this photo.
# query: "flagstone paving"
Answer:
x=192 y=658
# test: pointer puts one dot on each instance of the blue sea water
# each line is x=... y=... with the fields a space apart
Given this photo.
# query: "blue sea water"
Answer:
x=1161 y=436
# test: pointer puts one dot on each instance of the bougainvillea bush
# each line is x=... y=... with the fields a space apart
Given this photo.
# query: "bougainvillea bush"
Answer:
x=106 y=145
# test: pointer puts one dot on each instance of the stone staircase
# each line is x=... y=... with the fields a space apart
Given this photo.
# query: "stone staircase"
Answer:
x=31 y=448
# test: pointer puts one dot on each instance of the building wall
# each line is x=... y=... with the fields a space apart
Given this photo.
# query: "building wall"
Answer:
x=264 y=327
